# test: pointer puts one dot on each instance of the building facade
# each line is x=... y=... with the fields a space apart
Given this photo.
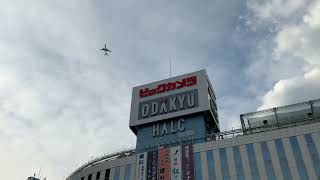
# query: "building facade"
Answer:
x=178 y=137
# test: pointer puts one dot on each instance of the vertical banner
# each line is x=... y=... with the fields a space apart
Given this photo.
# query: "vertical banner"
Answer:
x=141 y=166
x=152 y=165
x=187 y=162
x=176 y=170
x=163 y=163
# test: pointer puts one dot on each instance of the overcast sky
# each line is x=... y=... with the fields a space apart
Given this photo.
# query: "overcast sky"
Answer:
x=62 y=101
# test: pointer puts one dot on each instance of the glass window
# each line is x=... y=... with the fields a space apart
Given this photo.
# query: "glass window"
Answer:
x=252 y=162
x=298 y=157
x=127 y=172
x=267 y=161
x=98 y=175
x=90 y=177
x=198 y=166
x=313 y=153
x=224 y=164
x=211 y=166
x=82 y=178
x=238 y=162
x=107 y=174
x=117 y=173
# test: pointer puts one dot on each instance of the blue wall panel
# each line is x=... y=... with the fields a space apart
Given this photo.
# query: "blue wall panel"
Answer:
x=314 y=155
x=253 y=162
x=224 y=164
x=211 y=166
x=267 y=161
x=283 y=159
x=238 y=163
x=117 y=173
x=298 y=157
x=127 y=172
x=197 y=167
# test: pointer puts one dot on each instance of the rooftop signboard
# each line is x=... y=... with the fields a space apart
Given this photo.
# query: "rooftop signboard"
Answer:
x=169 y=98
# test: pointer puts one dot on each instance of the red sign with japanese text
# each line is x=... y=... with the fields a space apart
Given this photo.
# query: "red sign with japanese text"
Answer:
x=161 y=88
x=163 y=163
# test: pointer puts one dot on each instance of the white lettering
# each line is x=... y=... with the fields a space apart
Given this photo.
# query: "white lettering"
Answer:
x=154 y=108
x=172 y=127
x=164 y=129
x=180 y=125
x=145 y=110
x=191 y=100
x=175 y=126
x=163 y=108
x=181 y=101
x=155 y=130
x=173 y=104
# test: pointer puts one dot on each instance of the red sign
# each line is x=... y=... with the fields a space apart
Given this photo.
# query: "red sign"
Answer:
x=161 y=88
x=163 y=163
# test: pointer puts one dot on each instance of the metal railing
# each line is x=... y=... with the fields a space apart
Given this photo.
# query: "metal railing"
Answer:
x=268 y=127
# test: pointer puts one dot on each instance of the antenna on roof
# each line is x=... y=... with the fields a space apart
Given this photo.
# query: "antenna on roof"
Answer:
x=170 y=67
x=39 y=174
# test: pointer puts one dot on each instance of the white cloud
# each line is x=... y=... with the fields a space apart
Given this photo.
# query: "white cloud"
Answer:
x=293 y=90
x=275 y=9
x=296 y=39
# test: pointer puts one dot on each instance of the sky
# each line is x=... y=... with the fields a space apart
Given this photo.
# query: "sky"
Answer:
x=63 y=102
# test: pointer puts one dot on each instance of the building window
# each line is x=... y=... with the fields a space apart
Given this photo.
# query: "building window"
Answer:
x=283 y=159
x=107 y=174
x=224 y=164
x=127 y=172
x=98 y=175
x=211 y=166
x=252 y=162
x=267 y=161
x=198 y=166
x=82 y=178
x=90 y=177
x=313 y=153
x=238 y=163
x=298 y=157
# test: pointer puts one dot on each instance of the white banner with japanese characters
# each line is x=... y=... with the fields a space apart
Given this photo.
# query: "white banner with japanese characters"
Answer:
x=141 y=168
x=176 y=168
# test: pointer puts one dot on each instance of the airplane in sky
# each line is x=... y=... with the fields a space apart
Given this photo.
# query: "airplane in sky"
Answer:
x=105 y=49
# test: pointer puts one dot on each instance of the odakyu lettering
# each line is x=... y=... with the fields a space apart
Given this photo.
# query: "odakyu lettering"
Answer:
x=168 y=104
x=161 y=88
x=166 y=128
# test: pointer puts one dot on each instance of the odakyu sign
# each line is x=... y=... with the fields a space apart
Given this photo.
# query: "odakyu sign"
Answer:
x=168 y=104
x=173 y=97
